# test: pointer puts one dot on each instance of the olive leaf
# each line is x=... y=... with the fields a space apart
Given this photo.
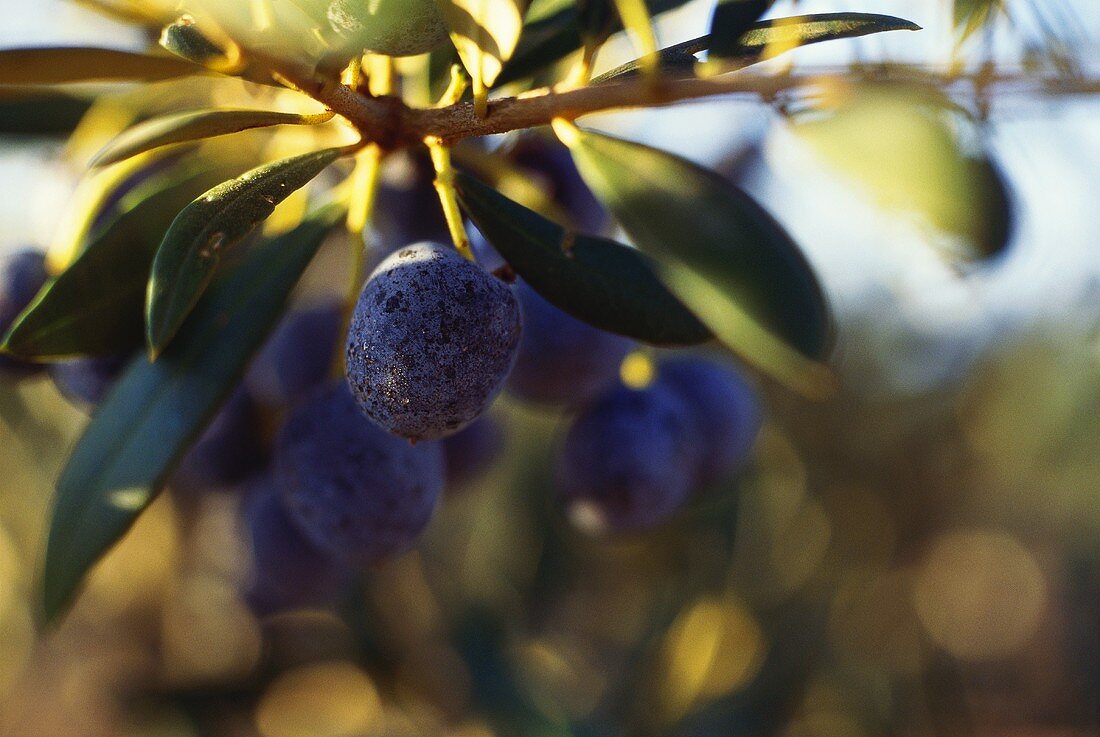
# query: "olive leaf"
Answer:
x=194 y=126
x=156 y=410
x=62 y=65
x=95 y=305
x=552 y=31
x=96 y=193
x=215 y=222
x=731 y=19
x=764 y=40
x=485 y=32
x=606 y=284
x=729 y=261
x=673 y=61
x=596 y=19
x=971 y=15
x=901 y=144
x=768 y=38
x=40 y=113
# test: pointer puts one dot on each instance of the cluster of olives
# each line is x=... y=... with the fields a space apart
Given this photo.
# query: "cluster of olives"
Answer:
x=359 y=465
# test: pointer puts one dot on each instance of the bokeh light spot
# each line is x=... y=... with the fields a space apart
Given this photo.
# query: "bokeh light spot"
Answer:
x=323 y=700
x=980 y=594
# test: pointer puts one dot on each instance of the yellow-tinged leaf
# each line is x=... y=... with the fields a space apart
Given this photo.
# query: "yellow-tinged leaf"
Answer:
x=902 y=145
x=639 y=24
x=193 y=126
x=62 y=65
x=485 y=32
x=91 y=195
x=738 y=330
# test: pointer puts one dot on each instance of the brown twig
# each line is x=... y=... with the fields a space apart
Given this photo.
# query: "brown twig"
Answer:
x=390 y=123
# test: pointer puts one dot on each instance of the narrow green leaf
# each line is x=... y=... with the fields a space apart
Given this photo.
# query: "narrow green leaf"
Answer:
x=731 y=20
x=673 y=61
x=34 y=113
x=971 y=15
x=552 y=31
x=606 y=284
x=95 y=306
x=157 y=409
x=730 y=262
x=596 y=19
x=773 y=37
x=485 y=32
x=91 y=203
x=61 y=65
x=765 y=40
x=906 y=146
x=194 y=126
x=995 y=223
x=211 y=225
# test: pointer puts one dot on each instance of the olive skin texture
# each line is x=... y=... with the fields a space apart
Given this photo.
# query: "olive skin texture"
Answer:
x=297 y=357
x=390 y=27
x=355 y=491
x=628 y=461
x=725 y=406
x=431 y=342
x=471 y=452
x=288 y=572
x=22 y=275
x=562 y=360
x=84 y=382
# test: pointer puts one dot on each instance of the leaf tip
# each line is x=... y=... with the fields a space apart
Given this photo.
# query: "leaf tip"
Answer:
x=566 y=132
x=161 y=325
x=157 y=335
x=57 y=597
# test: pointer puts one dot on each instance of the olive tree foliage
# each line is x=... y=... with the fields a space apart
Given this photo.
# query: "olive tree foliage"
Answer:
x=197 y=259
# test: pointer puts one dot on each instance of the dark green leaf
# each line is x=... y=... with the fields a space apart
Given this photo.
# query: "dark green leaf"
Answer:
x=210 y=226
x=157 y=409
x=194 y=126
x=778 y=35
x=35 y=113
x=596 y=19
x=766 y=39
x=722 y=254
x=60 y=65
x=674 y=61
x=604 y=283
x=552 y=31
x=731 y=19
x=485 y=34
x=995 y=219
x=95 y=305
